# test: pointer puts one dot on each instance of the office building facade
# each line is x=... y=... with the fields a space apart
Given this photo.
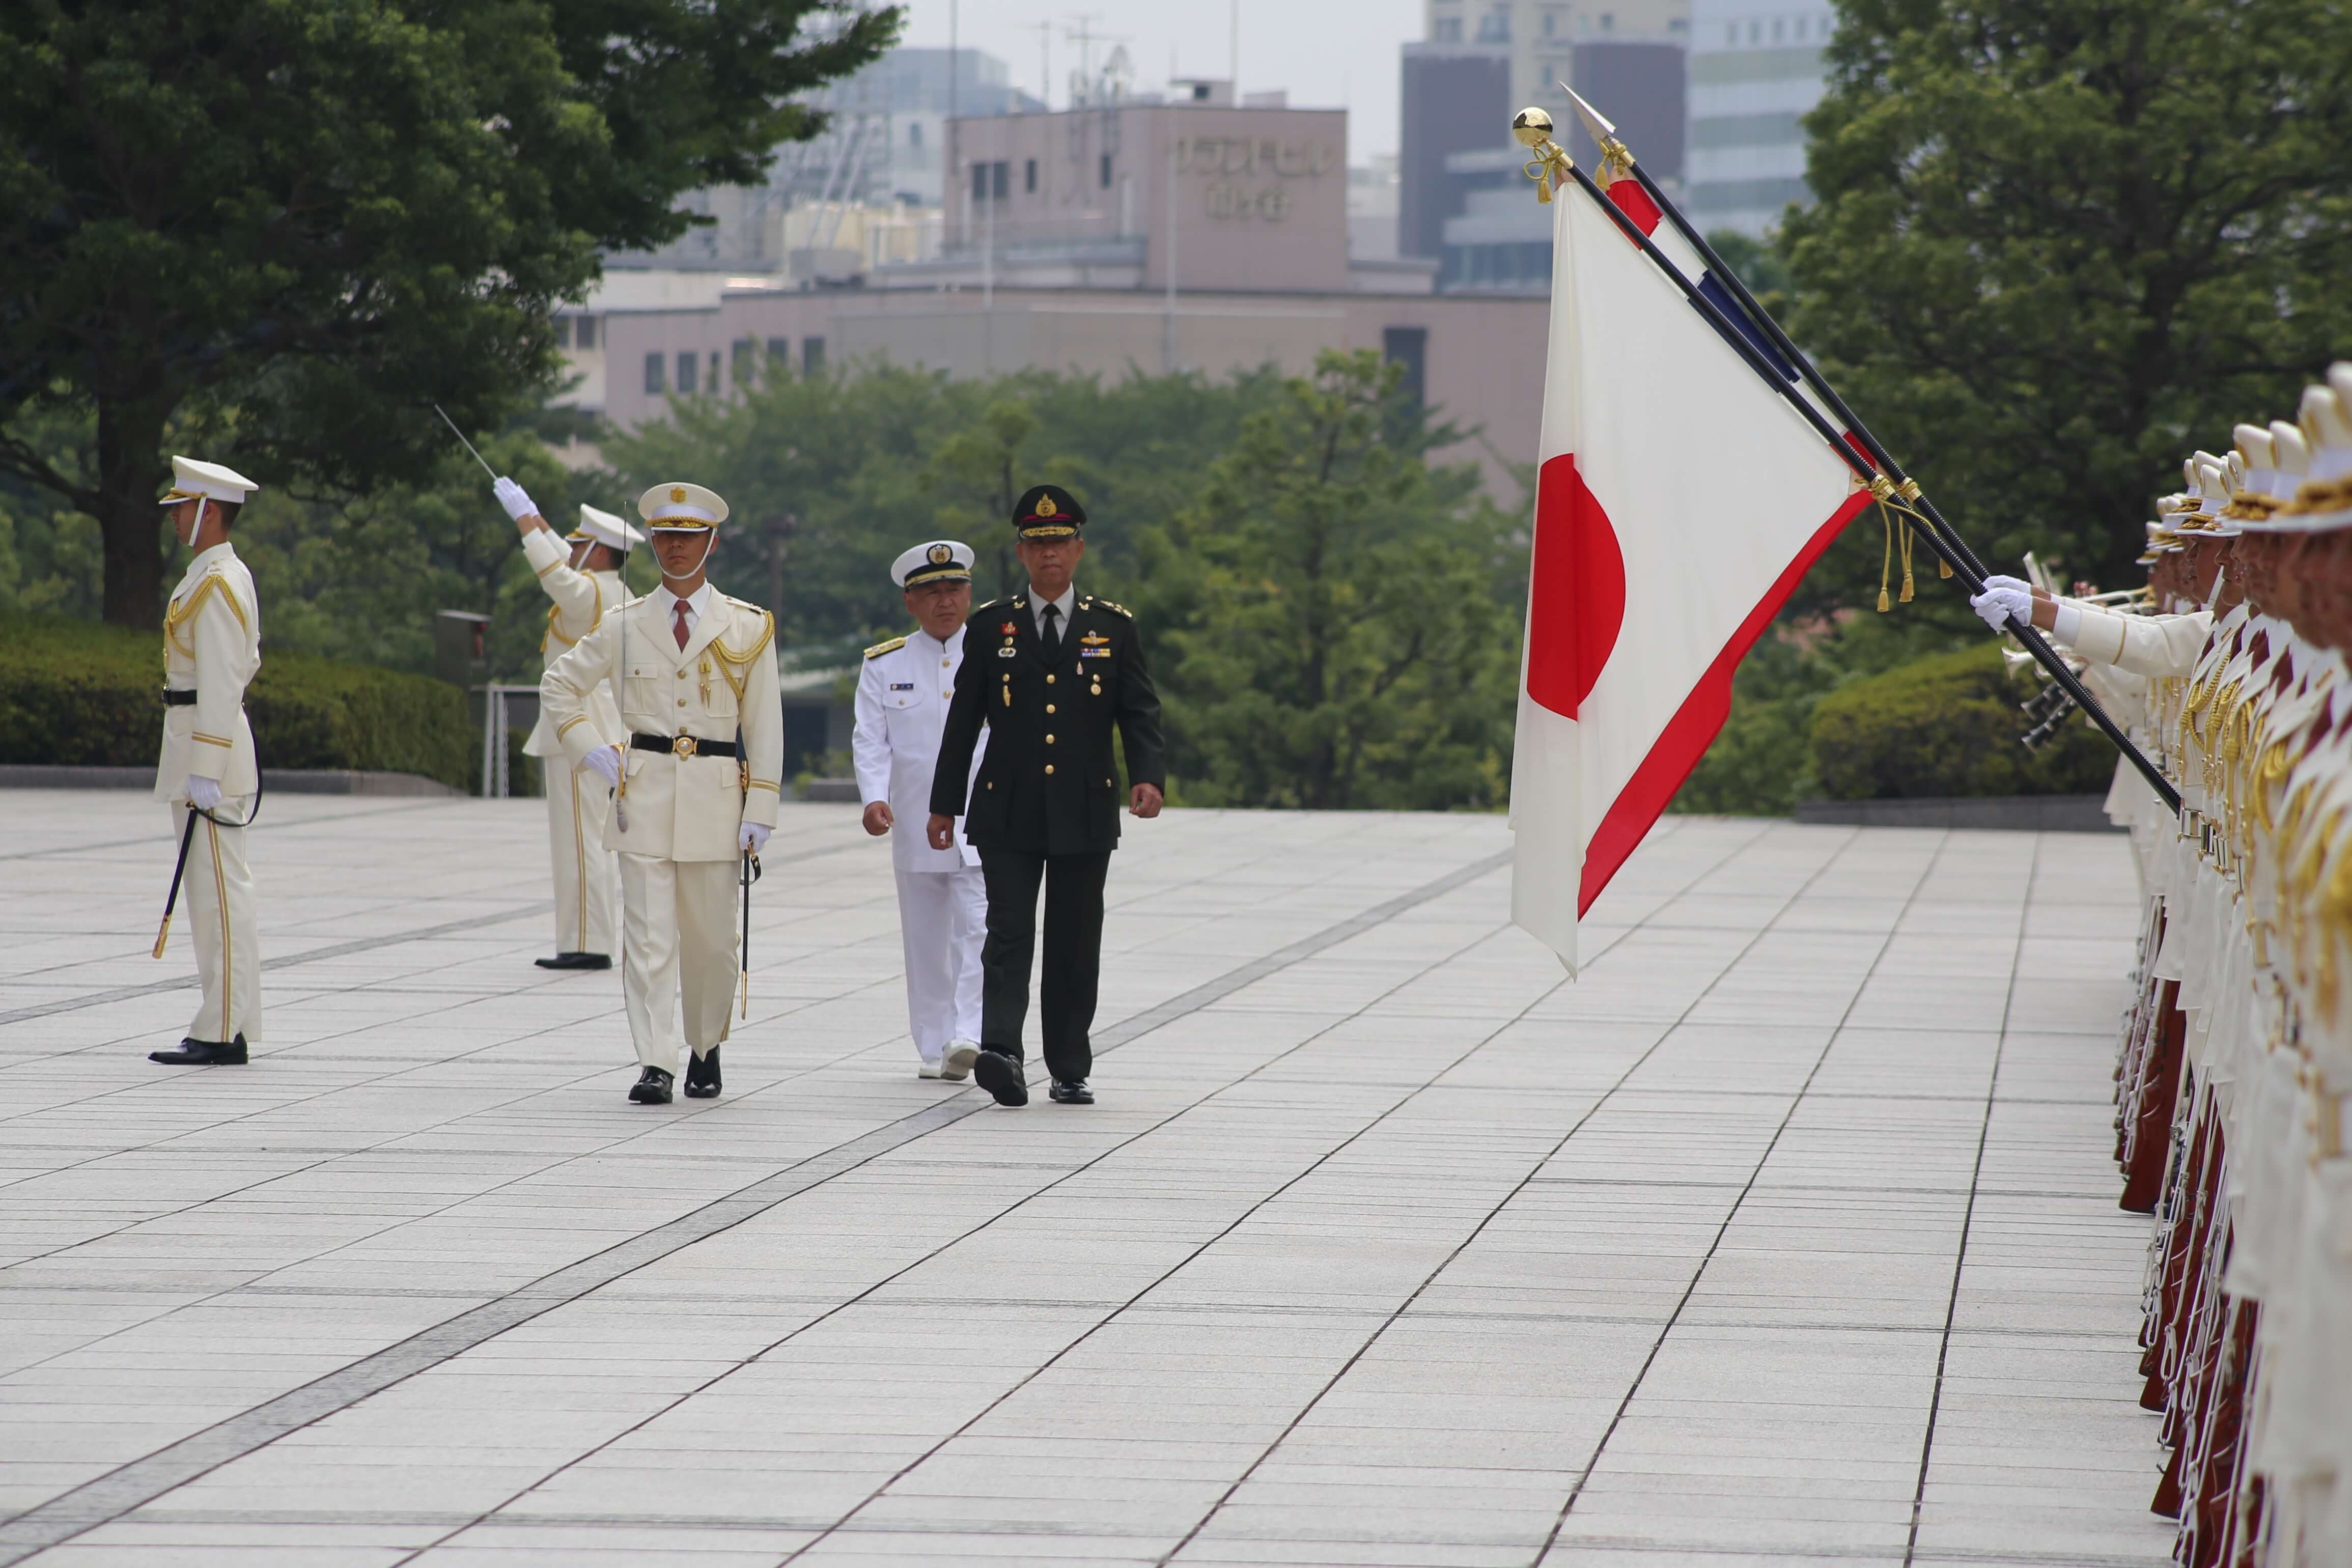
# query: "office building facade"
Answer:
x=1755 y=69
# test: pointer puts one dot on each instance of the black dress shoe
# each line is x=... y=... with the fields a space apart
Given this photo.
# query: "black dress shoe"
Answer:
x=575 y=961
x=202 y=1053
x=1000 y=1076
x=1070 y=1091
x=702 y=1074
x=652 y=1087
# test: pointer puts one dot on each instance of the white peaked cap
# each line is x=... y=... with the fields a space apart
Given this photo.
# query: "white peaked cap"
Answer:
x=679 y=505
x=941 y=560
x=213 y=482
x=605 y=529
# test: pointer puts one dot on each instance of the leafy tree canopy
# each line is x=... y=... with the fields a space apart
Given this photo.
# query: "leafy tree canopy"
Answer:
x=288 y=225
x=2060 y=243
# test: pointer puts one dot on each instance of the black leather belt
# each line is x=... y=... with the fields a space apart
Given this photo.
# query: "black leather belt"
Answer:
x=178 y=698
x=683 y=746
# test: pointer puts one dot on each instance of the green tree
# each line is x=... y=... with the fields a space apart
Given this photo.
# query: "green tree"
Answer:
x=873 y=458
x=2059 y=243
x=288 y=225
x=1346 y=650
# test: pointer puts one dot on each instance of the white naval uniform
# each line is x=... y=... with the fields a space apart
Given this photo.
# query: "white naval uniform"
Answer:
x=677 y=816
x=578 y=808
x=903 y=691
x=212 y=644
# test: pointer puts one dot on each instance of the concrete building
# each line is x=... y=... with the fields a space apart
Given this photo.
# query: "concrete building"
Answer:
x=1755 y=69
x=1482 y=62
x=1197 y=235
x=1540 y=37
x=887 y=148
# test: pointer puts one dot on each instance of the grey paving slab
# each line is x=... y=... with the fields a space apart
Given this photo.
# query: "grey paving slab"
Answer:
x=1786 y=1234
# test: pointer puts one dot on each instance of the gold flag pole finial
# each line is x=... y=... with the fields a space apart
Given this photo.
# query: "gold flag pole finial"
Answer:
x=1616 y=158
x=1532 y=128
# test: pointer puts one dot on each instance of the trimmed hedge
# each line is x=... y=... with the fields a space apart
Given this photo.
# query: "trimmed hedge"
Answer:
x=80 y=693
x=1948 y=726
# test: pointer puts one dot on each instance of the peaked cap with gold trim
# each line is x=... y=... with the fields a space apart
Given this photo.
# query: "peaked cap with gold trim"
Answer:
x=684 y=507
x=210 y=481
x=1048 y=512
x=940 y=561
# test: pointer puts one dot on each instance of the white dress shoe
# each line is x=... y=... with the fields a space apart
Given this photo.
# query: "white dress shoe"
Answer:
x=957 y=1066
x=929 y=1069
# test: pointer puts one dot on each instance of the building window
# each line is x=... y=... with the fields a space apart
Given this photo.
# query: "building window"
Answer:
x=1608 y=21
x=991 y=182
x=686 y=367
x=1106 y=186
x=653 y=373
x=1408 y=346
x=1449 y=29
x=584 y=332
x=745 y=365
x=915 y=133
x=563 y=332
x=1029 y=176
x=1779 y=29
x=813 y=353
x=780 y=350
x=1494 y=27
x=1550 y=22
x=1755 y=32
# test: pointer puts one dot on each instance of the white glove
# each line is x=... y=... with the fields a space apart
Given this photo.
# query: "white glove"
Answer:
x=2020 y=584
x=751 y=839
x=517 y=501
x=1997 y=605
x=605 y=762
x=204 y=792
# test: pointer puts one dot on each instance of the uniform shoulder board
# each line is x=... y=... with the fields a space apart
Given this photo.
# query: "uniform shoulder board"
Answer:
x=1114 y=609
x=878 y=649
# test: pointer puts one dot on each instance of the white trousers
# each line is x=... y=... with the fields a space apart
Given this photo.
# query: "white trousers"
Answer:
x=217 y=898
x=942 y=915
x=578 y=808
x=677 y=952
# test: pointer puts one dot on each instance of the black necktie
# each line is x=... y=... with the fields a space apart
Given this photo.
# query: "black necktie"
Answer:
x=1051 y=635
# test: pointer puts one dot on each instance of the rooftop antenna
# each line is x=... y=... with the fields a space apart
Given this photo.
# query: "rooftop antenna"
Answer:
x=1044 y=31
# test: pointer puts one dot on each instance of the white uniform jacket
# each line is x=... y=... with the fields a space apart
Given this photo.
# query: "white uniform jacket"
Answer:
x=903 y=690
x=2151 y=646
x=678 y=805
x=212 y=645
x=580 y=600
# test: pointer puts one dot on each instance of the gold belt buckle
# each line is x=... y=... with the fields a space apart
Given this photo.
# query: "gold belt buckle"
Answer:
x=683 y=746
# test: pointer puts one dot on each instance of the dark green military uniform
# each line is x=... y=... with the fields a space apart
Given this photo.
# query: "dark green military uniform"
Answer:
x=1044 y=809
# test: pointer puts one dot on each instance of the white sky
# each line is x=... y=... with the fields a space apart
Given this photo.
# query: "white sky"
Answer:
x=1329 y=54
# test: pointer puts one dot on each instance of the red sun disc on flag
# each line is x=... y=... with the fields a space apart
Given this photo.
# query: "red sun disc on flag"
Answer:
x=1577 y=606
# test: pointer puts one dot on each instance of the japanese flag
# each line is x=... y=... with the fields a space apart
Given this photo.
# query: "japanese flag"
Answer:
x=1679 y=501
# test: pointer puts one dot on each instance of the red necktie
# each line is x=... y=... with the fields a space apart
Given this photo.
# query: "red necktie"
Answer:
x=680 y=613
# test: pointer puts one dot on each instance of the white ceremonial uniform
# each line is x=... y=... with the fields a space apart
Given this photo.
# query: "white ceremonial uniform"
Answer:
x=677 y=815
x=2155 y=647
x=903 y=692
x=212 y=645
x=578 y=807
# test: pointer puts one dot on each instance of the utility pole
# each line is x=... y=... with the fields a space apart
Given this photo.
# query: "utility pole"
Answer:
x=1234 y=66
x=1044 y=31
x=1167 y=322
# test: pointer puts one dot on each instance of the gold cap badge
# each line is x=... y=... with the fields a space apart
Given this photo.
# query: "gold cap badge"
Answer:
x=1045 y=507
x=678 y=493
x=940 y=554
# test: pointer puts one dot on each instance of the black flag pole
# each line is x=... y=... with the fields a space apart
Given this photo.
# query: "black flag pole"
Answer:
x=1604 y=134
x=1970 y=574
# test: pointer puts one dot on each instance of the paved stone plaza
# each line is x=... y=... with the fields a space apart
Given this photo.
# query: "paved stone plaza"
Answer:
x=1787 y=1234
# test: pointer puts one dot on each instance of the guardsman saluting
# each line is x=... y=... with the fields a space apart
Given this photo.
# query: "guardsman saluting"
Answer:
x=212 y=651
x=582 y=575
x=694 y=787
x=903 y=692
x=1052 y=674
